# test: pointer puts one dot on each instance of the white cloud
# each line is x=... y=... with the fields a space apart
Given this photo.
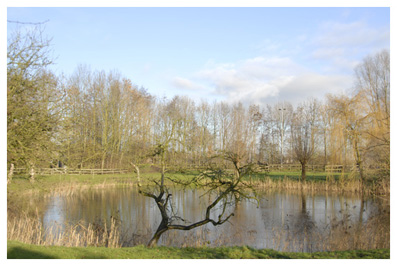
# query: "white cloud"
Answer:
x=329 y=55
x=329 y=52
x=314 y=85
x=346 y=34
x=185 y=84
x=263 y=80
x=344 y=44
x=248 y=75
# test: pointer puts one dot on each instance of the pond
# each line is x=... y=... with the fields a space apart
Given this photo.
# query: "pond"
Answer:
x=285 y=221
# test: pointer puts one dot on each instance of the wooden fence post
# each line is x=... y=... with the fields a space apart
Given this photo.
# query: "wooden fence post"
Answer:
x=11 y=173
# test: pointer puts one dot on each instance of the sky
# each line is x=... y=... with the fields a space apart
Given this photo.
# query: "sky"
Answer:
x=256 y=55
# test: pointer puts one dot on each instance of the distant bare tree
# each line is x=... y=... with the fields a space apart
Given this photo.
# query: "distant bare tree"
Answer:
x=303 y=134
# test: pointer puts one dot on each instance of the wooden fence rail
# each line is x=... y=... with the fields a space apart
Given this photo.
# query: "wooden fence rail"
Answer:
x=55 y=171
x=291 y=168
x=263 y=167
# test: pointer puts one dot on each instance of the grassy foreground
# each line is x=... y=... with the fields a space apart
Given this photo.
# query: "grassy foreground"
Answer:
x=17 y=250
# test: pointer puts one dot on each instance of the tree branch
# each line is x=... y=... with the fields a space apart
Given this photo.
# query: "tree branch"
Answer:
x=200 y=223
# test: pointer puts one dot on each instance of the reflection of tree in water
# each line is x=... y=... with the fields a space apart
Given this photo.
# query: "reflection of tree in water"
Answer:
x=287 y=227
x=303 y=221
x=301 y=228
x=305 y=226
x=295 y=228
x=285 y=221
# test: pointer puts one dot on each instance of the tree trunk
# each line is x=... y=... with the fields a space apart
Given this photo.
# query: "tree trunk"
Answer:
x=325 y=149
x=103 y=161
x=156 y=237
x=358 y=160
x=303 y=171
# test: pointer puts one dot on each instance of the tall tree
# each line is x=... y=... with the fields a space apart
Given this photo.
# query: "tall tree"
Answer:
x=254 y=122
x=303 y=133
x=373 y=84
x=32 y=99
x=282 y=115
x=239 y=131
x=352 y=115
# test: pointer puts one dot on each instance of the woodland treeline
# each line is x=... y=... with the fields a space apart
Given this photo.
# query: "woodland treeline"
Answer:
x=98 y=119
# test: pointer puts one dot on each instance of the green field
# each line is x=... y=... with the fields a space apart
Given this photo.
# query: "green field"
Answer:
x=17 y=250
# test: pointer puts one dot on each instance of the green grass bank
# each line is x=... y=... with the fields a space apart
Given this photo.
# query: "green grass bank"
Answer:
x=48 y=183
x=17 y=250
x=316 y=181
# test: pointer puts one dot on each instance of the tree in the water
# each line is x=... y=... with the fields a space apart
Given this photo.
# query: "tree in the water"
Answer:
x=228 y=187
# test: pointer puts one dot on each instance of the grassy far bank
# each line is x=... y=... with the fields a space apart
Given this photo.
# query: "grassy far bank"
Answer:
x=17 y=250
x=49 y=182
x=70 y=184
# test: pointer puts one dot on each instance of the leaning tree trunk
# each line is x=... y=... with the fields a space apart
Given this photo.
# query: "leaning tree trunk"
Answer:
x=163 y=227
x=161 y=204
x=163 y=199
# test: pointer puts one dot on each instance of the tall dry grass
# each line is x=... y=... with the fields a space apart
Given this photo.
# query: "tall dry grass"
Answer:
x=340 y=235
x=73 y=188
x=30 y=230
x=344 y=184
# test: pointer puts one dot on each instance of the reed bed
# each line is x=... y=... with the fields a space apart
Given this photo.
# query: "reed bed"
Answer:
x=341 y=235
x=350 y=185
x=74 y=188
x=30 y=230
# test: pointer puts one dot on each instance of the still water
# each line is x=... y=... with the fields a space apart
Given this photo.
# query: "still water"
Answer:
x=289 y=221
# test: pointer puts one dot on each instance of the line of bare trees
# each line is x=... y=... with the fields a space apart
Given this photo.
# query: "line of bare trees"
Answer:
x=103 y=120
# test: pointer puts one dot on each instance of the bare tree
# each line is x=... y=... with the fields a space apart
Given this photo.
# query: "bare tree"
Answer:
x=254 y=122
x=302 y=132
x=228 y=188
x=282 y=115
x=225 y=125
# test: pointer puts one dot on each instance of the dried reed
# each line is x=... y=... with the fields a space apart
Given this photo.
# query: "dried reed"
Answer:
x=351 y=185
x=31 y=230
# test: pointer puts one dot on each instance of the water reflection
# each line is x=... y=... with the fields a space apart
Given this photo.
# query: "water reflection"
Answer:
x=291 y=221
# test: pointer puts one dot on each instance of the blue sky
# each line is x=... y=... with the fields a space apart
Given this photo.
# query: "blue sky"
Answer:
x=253 y=55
